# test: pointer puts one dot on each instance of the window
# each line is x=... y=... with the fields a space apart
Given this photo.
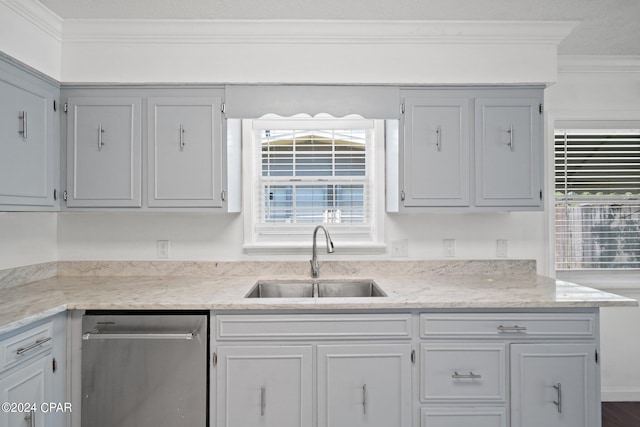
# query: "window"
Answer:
x=597 y=192
x=309 y=171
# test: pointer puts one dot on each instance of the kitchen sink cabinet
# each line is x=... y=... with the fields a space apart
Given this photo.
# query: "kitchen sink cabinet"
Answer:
x=554 y=385
x=103 y=152
x=33 y=375
x=185 y=152
x=264 y=386
x=475 y=149
x=28 y=142
x=366 y=385
x=327 y=370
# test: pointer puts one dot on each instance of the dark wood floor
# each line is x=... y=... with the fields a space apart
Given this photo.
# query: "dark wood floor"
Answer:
x=621 y=414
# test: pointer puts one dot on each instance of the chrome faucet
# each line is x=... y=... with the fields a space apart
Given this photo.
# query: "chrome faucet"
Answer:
x=315 y=268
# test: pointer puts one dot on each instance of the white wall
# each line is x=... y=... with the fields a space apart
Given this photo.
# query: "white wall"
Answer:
x=31 y=34
x=27 y=238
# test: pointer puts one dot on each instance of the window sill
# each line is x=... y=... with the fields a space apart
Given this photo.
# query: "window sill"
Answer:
x=290 y=249
x=605 y=280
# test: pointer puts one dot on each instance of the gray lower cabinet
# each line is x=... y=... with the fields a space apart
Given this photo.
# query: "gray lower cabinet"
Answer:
x=28 y=141
x=268 y=386
x=364 y=385
x=436 y=152
x=554 y=385
x=184 y=152
x=33 y=375
x=508 y=144
x=104 y=151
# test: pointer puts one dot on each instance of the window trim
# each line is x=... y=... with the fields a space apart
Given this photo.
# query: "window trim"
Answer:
x=298 y=237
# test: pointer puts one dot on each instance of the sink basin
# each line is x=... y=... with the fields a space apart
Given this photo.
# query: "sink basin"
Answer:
x=349 y=289
x=315 y=288
x=284 y=289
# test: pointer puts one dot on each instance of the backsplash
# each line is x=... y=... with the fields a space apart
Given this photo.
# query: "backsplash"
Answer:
x=20 y=275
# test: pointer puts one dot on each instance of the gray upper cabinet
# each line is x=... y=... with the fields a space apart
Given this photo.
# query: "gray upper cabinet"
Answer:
x=436 y=152
x=28 y=146
x=104 y=152
x=508 y=151
x=475 y=149
x=185 y=167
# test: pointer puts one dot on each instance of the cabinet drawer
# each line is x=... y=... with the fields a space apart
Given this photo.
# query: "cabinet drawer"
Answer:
x=24 y=345
x=462 y=372
x=508 y=325
x=463 y=417
x=329 y=326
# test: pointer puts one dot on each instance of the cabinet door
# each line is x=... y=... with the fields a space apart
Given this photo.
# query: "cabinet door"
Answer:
x=264 y=386
x=508 y=152
x=364 y=385
x=436 y=152
x=27 y=385
x=103 y=152
x=26 y=147
x=185 y=152
x=554 y=385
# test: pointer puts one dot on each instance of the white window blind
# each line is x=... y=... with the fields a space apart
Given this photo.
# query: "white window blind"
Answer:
x=597 y=193
x=314 y=172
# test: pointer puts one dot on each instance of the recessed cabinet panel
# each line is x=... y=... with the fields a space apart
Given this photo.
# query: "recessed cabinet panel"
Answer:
x=436 y=152
x=463 y=372
x=364 y=385
x=26 y=149
x=463 y=417
x=104 y=152
x=28 y=385
x=553 y=385
x=185 y=152
x=264 y=386
x=508 y=152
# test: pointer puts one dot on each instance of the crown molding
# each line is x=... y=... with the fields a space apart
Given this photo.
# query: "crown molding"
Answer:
x=39 y=15
x=598 y=64
x=186 y=31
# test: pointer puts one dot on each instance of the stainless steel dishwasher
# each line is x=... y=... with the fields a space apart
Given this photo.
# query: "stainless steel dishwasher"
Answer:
x=145 y=369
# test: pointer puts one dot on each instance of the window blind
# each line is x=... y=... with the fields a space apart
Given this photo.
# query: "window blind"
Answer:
x=597 y=193
x=314 y=176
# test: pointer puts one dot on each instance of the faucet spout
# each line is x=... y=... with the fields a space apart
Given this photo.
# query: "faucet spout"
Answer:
x=315 y=268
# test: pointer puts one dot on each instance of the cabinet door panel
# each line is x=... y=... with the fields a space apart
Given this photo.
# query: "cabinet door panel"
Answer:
x=542 y=374
x=364 y=385
x=264 y=386
x=185 y=152
x=463 y=417
x=29 y=384
x=25 y=160
x=436 y=152
x=104 y=152
x=508 y=152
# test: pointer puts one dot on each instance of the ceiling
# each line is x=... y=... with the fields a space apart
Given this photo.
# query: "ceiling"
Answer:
x=608 y=27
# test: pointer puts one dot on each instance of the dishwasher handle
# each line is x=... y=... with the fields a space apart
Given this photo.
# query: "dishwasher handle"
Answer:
x=96 y=335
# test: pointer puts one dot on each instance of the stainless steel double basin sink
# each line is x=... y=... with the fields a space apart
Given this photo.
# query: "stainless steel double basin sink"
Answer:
x=315 y=288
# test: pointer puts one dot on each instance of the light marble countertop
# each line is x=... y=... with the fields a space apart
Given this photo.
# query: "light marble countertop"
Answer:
x=222 y=286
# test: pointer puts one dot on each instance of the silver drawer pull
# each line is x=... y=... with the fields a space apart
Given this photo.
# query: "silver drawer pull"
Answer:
x=31 y=417
x=364 y=399
x=23 y=117
x=438 y=138
x=142 y=336
x=470 y=375
x=100 y=140
x=39 y=342
x=558 y=402
x=263 y=400
x=182 y=143
x=514 y=328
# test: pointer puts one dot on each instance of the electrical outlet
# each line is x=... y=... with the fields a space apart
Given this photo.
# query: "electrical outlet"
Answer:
x=400 y=248
x=163 y=249
x=449 y=247
x=502 y=248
